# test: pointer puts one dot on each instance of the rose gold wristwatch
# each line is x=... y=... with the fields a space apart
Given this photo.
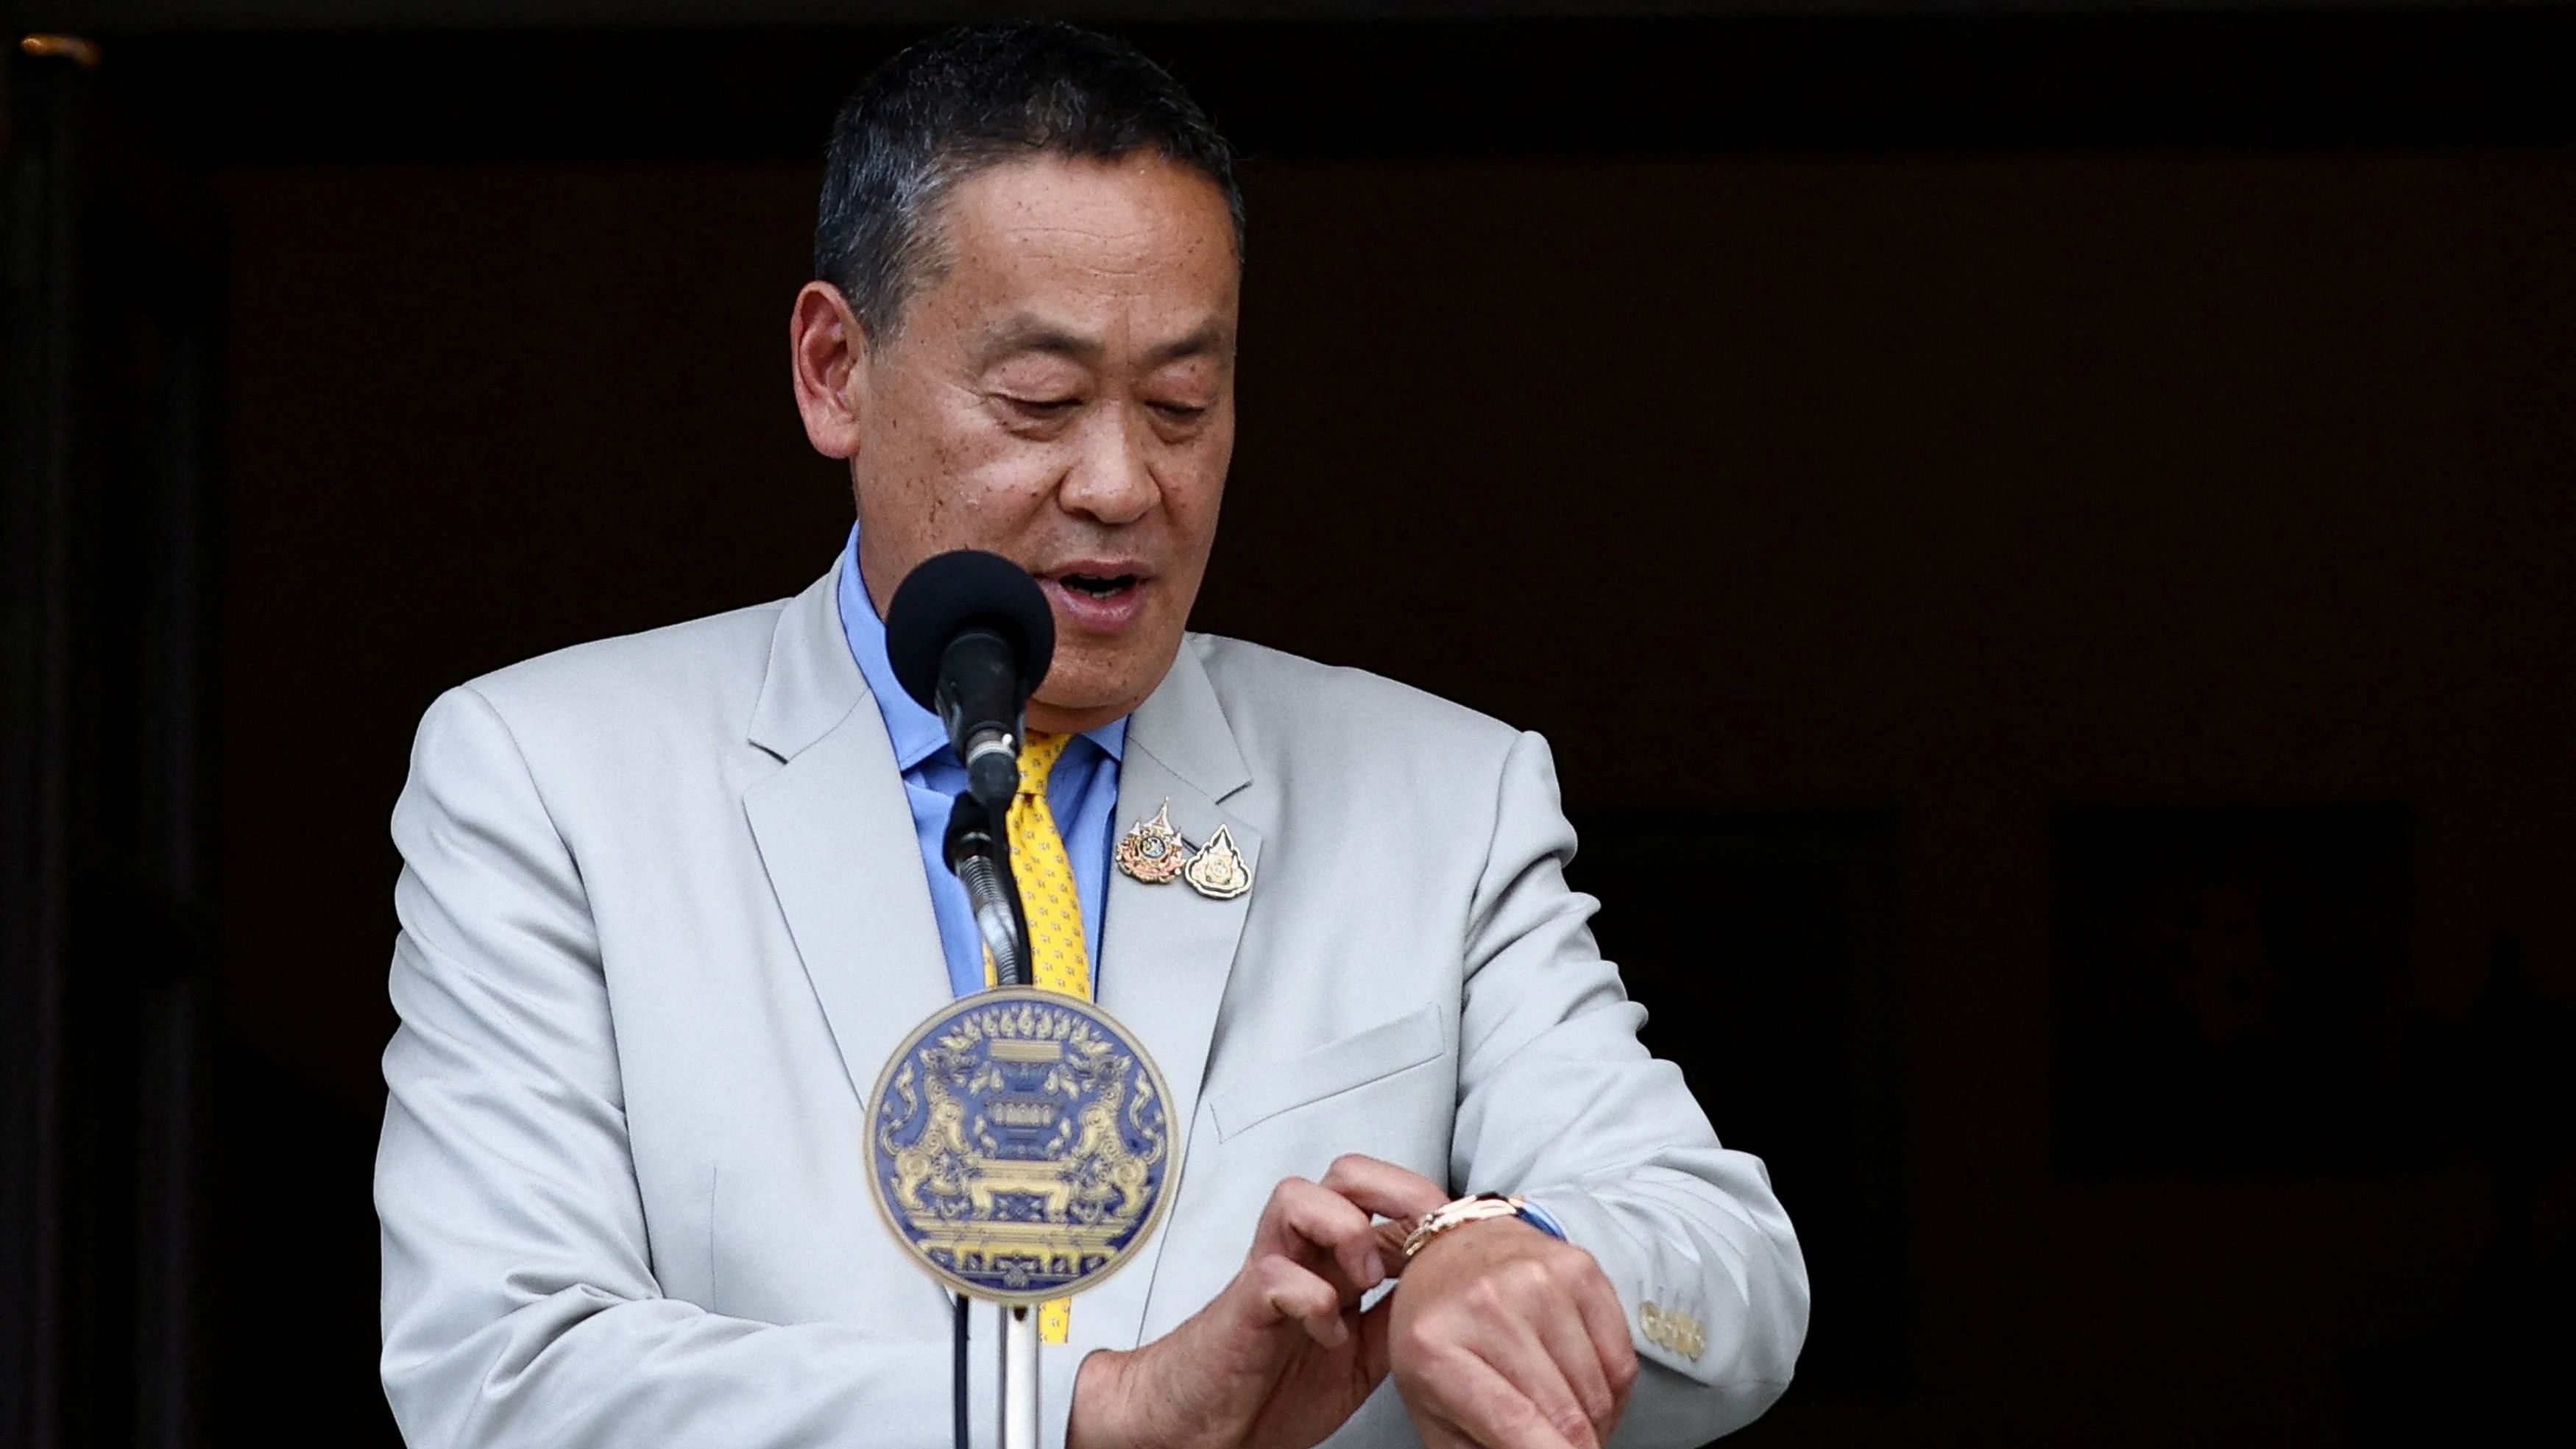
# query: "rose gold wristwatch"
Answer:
x=1460 y=1211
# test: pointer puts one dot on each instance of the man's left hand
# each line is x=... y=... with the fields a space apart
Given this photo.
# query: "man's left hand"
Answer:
x=1507 y=1338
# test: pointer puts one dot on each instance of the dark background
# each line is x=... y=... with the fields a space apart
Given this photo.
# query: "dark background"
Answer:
x=2089 y=483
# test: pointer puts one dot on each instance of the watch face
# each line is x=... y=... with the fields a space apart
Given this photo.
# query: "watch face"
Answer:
x=1019 y=1143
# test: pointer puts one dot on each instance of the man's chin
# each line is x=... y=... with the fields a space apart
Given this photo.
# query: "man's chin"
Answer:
x=1092 y=697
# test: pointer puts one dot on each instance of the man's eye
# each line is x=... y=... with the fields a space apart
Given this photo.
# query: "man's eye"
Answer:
x=1045 y=407
x=1181 y=412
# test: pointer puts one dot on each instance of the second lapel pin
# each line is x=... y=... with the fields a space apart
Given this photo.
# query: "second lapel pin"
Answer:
x=1217 y=871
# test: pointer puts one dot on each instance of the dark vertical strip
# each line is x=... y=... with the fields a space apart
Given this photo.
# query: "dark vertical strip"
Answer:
x=170 y=1027
x=103 y=886
x=961 y=1427
x=34 y=709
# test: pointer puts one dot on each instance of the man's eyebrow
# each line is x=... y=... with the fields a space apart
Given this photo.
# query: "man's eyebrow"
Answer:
x=1205 y=338
x=1031 y=334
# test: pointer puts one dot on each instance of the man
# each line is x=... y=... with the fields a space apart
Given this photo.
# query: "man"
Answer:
x=670 y=901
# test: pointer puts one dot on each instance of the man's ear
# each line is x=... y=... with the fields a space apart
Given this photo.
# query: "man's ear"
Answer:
x=829 y=352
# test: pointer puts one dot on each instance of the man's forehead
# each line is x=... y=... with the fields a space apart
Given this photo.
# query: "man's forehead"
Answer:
x=1125 y=224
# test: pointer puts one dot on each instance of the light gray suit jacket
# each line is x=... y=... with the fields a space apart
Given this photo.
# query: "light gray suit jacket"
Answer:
x=664 y=917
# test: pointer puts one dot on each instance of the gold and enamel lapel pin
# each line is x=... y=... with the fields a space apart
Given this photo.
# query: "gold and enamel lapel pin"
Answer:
x=1153 y=852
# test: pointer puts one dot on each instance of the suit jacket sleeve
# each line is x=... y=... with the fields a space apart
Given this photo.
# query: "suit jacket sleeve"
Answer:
x=519 y=1300
x=1558 y=1101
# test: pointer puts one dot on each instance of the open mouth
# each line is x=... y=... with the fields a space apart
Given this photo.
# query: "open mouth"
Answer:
x=1098 y=586
x=1098 y=596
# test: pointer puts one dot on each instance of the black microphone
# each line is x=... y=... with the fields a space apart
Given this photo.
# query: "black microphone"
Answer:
x=970 y=636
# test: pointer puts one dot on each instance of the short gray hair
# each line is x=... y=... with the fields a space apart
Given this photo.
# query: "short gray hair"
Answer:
x=973 y=97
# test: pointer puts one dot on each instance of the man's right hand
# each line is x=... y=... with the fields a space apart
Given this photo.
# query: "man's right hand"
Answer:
x=1283 y=1355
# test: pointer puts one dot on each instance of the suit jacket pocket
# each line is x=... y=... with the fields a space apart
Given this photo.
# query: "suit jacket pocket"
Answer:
x=1335 y=1067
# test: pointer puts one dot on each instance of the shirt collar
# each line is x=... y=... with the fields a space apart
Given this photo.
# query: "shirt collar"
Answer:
x=916 y=733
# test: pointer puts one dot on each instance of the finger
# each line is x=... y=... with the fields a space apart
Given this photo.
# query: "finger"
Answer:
x=1606 y=1323
x=1538 y=1353
x=1294 y=1293
x=1566 y=1336
x=1437 y=1432
x=1488 y=1407
x=1390 y=1244
x=1302 y=1217
x=1384 y=1188
x=1329 y=1221
x=1438 y=1435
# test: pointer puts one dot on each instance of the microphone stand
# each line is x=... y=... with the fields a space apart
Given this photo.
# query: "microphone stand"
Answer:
x=981 y=858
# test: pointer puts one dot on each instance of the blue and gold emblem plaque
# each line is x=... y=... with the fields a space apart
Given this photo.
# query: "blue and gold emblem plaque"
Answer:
x=1018 y=1144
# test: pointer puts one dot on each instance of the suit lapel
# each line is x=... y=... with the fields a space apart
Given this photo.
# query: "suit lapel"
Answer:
x=835 y=835
x=1166 y=951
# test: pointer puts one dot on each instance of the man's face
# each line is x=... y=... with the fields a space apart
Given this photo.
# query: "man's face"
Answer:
x=1062 y=394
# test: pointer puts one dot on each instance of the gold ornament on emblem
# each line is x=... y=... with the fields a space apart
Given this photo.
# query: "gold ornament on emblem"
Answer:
x=1151 y=850
x=1217 y=871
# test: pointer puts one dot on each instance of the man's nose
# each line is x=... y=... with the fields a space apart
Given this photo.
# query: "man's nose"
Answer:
x=1112 y=480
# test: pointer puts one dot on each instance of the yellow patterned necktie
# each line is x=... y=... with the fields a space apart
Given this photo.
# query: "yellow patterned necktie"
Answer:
x=1058 y=959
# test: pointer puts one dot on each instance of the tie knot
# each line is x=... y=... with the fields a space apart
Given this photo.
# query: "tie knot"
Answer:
x=1037 y=760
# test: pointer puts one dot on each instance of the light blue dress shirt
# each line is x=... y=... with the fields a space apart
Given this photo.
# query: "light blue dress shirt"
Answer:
x=1082 y=791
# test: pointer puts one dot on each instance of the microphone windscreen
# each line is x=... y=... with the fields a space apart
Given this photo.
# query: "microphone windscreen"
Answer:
x=953 y=592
